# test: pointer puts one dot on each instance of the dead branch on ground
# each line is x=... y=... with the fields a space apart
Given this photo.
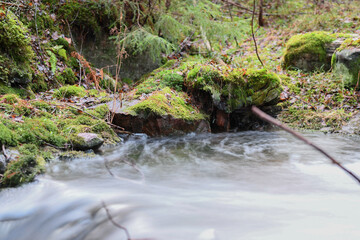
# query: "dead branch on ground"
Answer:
x=253 y=35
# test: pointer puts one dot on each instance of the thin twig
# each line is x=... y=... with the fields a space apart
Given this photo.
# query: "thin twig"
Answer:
x=126 y=162
x=357 y=83
x=115 y=223
x=253 y=35
x=272 y=120
x=7 y=157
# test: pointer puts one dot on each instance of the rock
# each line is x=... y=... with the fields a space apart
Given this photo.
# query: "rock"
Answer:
x=154 y=125
x=311 y=51
x=347 y=65
x=161 y=114
x=353 y=126
x=86 y=141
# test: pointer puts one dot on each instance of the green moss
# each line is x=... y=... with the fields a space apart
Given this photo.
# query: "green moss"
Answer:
x=349 y=44
x=13 y=38
x=238 y=87
x=52 y=60
x=89 y=16
x=4 y=89
x=7 y=137
x=159 y=80
x=21 y=171
x=308 y=43
x=62 y=53
x=43 y=23
x=100 y=111
x=69 y=91
x=64 y=43
x=40 y=131
x=29 y=149
x=66 y=77
x=10 y=98
x=167 y=102
x=39 y=84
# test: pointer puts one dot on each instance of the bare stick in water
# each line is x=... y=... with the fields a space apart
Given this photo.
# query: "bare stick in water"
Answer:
x=115 y=223
x=272 y=120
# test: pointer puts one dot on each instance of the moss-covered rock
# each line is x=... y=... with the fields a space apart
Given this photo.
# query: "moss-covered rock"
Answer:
x=167 y=102
x=21 y=171
x=308 y=51
x=233 y=88
x=346 y=61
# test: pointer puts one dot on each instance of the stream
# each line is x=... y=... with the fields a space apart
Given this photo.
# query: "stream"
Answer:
x=229 y=186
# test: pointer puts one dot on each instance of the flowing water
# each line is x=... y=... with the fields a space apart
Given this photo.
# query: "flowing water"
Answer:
x=248 y=185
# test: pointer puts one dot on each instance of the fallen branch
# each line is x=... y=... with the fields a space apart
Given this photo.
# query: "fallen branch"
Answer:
x=7 y=157
x=253 y=35
x=126 y=162
x=272 y=120
x=115 y=223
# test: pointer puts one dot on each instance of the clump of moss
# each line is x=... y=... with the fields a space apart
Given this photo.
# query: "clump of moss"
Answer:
x=309 y=43
x=160 y=80
x=100 y=111
x=238 y=87
x=70 y=91
x=167 y=102
x=62 y=53
x=66 y=77
x=13 y=38
x=349 y=43
x=7 y=137
x=21 y=171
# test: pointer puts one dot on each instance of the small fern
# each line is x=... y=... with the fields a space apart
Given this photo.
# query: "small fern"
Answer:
x=142 y=39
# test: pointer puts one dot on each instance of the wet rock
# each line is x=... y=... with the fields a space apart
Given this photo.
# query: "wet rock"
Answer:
x=353 y=126
x=347 y=65
x=159 y=123
x=86 y=141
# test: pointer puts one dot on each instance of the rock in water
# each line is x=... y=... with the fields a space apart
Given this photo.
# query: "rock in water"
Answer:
x=86 y=141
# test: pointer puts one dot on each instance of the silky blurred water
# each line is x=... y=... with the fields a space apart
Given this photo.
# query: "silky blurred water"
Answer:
x=247 y=185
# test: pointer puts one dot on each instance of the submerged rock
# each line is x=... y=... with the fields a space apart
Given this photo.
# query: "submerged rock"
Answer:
x=86 y=141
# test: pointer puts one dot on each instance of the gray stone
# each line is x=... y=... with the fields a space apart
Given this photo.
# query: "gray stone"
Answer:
x=353 y=126
x=86 y=141
x=347 y=65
